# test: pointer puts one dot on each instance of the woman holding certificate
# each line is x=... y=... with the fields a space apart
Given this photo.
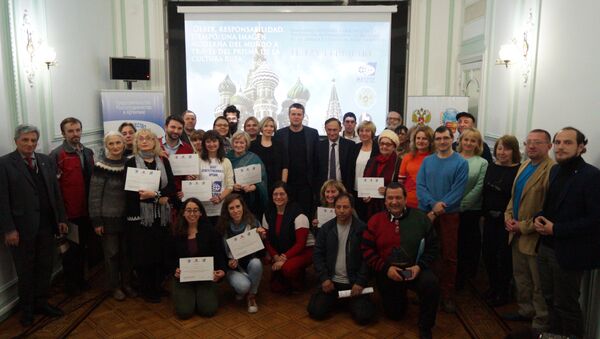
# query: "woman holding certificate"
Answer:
x=254 y=194
x=385 y=165
x=148 y=213
x=289 y=242
x=196 y=241
x=244 y=274
x=363 y=151
x=329 y=191
x=421 y=146
x=216 y=168
x=272 y=152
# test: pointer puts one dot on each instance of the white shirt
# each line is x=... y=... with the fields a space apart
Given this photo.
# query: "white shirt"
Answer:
x=361 y=163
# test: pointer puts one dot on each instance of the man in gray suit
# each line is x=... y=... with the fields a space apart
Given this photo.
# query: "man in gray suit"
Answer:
x=32 y=212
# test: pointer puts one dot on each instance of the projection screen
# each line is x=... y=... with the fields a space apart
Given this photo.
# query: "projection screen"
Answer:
x=331 y=59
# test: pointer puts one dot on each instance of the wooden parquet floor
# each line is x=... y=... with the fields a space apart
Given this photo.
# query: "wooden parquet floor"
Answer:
x=94 y=314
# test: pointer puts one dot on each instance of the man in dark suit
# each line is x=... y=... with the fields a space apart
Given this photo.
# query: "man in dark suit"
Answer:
x=31 y=211
x=301 y=142
x=334 y=155
x=569 y=228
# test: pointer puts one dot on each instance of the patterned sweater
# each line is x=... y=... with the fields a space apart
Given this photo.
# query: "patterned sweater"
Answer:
x=107 y=195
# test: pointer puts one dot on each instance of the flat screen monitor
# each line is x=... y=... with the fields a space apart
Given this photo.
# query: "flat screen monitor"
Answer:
x=129 y=69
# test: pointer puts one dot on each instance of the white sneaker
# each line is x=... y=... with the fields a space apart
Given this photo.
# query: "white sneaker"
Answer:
x=252 y=307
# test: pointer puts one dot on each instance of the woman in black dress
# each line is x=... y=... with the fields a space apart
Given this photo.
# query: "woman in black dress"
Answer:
x=497 y=190
x=148 y=215
x=272 y=153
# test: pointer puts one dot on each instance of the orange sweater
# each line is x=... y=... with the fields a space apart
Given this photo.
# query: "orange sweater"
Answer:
x=409 y=169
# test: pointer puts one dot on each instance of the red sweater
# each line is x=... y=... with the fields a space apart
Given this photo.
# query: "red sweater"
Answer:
x=409 y=169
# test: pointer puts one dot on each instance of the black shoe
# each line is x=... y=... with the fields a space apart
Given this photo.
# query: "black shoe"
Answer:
x=425 y=333
x=49 y=310
x=515 y=317
x=26 y=319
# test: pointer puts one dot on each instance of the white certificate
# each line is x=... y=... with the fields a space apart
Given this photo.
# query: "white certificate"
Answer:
x=196 y=269
x=184 y=164
x=369 y=187
x=142 y=179
x=347 y=293
x=246 y=243
x=248 y=175
x=325 y=214
x=199 y=189
x=211 y=209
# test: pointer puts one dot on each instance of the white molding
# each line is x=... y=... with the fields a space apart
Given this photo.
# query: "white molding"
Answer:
x=286 y=9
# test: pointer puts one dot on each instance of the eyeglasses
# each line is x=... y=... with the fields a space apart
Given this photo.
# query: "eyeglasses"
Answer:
x=221 y=125
x=192 y=210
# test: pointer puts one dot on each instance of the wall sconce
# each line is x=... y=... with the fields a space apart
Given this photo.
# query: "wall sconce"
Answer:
x=48 y=56
x=508 y=54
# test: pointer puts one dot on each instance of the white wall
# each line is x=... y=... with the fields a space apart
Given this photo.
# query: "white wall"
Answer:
x=567 y=87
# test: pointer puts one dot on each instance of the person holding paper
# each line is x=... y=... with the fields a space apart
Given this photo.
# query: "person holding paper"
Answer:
x=385 y=165
x=400 y=245
x=214 y=166
x=329 y=192
x=194 y=236
x=149 y=214
x=255 y=195
x=173 y=144
x=340 y=266
x=361 y=154
x=421 y=146
x=244 y=274
x=272 y=152
x=107 y=211
x=289 y=242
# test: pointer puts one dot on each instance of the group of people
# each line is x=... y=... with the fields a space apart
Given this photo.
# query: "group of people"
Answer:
x=421 y=231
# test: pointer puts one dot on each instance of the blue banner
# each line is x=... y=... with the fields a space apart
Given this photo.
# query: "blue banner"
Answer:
x=145 y=109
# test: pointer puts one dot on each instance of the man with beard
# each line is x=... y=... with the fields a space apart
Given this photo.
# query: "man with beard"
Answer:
x=74 y=163
x=189 y=119
x=172 y=144
x=569 y=228
x=232 y=114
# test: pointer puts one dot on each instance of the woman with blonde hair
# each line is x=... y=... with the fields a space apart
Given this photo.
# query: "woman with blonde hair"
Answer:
x=272 y=152
x=362 y=152
x=470 y=147
x=329 y=191
x=148 y=214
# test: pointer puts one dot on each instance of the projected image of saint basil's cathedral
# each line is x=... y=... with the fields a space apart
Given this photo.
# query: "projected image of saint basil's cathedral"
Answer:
x=257 y=98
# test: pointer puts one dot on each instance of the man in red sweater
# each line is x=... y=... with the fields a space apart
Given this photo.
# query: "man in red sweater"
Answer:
x=400 y=245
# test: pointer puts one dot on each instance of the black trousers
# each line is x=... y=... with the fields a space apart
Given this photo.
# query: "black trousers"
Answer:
x=468 y=246
x=321 y=304
x=394 y=300
x=561 y=290
x=497 y=255
x=74 y=259
x=33 y=259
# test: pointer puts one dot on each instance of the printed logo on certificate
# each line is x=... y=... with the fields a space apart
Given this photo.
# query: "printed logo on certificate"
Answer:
x=184 y=164
x=248 y=175
x=196 y=269
x=138 y=179
x=244 y=244
x=369 y=187
x=324 y=214
x=199 y=189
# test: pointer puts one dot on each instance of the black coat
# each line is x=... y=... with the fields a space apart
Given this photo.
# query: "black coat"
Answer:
x=345 y=151
x=209 y=242
x=19 y=203
x=326 y=247
x=312 y=141
x=354 y=155
x=577 y=219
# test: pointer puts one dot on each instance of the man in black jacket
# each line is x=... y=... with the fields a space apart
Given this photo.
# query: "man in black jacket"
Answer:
x=569 y=225
x=334 y=156
x=301 y=143
x=32 y=212
x=341 y=268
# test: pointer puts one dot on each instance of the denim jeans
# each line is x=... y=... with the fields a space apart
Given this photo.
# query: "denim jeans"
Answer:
x=246 y=281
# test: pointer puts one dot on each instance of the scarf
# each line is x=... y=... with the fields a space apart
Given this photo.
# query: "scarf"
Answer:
x=150 y=211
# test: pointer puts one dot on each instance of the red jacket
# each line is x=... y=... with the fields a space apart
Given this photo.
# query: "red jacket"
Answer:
x=73 y=178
